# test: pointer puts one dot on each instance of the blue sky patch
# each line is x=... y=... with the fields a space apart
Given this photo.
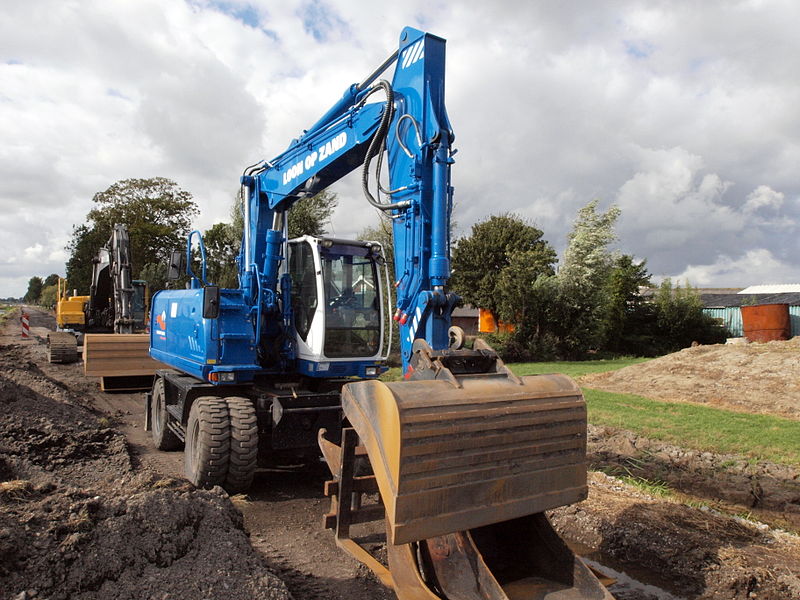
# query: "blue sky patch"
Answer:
x=638 y=49
x=247 y=14
x=319 y=20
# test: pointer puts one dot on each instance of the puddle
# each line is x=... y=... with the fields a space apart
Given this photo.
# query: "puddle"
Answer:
x=632 y=583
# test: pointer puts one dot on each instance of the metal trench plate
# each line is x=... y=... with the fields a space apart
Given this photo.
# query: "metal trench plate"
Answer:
x=450 y=459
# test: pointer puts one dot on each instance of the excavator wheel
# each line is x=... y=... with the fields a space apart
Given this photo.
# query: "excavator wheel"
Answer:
x=62 y=348
x=244 y=444
x=208 y=442
x=163 y=437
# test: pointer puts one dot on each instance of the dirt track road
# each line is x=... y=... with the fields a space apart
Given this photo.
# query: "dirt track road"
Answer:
x=283 y=511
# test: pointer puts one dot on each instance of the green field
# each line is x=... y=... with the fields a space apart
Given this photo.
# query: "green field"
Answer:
x=573 y=369
x=695 y=426
x=576 y=368
x=702 y=427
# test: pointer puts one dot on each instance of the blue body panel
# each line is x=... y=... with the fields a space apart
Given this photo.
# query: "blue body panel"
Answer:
x=182 y=338
x=336 y=369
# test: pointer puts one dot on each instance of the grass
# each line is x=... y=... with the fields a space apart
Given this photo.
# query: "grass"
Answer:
x=6 y=312
x=762 y=437
x=573 y=369
x=659 y=489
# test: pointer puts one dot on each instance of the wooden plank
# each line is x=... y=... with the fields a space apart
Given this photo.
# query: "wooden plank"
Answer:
x=118 y=354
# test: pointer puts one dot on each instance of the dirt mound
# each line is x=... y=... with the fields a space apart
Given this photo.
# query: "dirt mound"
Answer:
x=176 y=543
x=698 y=554
x=757 y=378
x=77 y=521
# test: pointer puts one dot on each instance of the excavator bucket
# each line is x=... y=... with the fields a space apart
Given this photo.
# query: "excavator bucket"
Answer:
x=449 y=459
x=465 y=461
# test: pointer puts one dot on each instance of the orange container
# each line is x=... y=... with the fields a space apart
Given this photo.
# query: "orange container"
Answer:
x=766 y=322
x=488 y=324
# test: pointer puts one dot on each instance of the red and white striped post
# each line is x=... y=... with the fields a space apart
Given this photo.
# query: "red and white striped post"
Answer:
x=26 y=326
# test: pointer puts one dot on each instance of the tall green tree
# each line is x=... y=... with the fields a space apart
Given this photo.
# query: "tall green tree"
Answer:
x=35 y=285
x=222 y=243
x=157 y=213
x=310 y=215
x=51 y=279
x=582 y=279
x=480 y=259
x=86 y=240
x=49 y=296
x=627 y=319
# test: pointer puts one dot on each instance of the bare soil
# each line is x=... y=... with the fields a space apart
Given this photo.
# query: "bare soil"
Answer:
x=80 y=519
x=89 y=510
x=756 y=378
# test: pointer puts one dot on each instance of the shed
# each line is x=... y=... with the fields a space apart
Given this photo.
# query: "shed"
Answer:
x=727 y=306
x=466 y=317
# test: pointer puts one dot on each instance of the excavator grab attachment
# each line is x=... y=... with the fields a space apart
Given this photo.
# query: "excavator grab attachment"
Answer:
x=465 y=458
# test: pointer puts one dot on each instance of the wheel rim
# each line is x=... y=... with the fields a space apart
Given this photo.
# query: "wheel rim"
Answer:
x=194 y=451
x=157 y=413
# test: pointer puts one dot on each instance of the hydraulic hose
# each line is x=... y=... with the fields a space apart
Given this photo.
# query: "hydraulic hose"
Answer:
x=376 y=146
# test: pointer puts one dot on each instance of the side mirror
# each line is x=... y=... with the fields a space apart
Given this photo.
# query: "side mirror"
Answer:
x=211 y=302
x=176 y=266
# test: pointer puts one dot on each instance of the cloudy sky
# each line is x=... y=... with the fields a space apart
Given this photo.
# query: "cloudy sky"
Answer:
x=684 y=114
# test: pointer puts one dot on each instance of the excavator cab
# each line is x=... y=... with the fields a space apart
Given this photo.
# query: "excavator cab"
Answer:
x=339 y=306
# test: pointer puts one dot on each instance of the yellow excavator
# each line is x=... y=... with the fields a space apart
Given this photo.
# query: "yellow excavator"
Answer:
x=115 y=304
x=457 y=462
x=62 y=344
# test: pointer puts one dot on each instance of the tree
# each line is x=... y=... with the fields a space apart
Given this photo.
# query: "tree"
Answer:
x=309 y=215
x=49 y=296
x=35 y=285
x=680 y=319
x=157 y=213
x=628 y=319
x=222 y=243
x=480 y=259
x=155 y=274
x=51 y=279
x=82 y=248
x=582 y=280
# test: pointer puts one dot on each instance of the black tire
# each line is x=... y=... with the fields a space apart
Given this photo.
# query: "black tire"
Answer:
x=163 y=436
x=244 y=445
x=208 y=442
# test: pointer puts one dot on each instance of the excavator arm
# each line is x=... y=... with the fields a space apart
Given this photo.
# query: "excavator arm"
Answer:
x=402 y=122
x=465 y=456
x=111 y=294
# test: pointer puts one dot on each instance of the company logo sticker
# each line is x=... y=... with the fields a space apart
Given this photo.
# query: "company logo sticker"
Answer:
x=161 y=321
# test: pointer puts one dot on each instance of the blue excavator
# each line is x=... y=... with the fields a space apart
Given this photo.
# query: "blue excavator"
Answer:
x=457 y=462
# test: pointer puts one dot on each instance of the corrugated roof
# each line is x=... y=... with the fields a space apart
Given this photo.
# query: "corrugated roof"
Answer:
x=781 y=288
x=724 y=300
x=465 y=311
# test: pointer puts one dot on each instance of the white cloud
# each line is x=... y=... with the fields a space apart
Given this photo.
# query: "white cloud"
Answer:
x=763 y=197
x=684 y=113
x=754 y=265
